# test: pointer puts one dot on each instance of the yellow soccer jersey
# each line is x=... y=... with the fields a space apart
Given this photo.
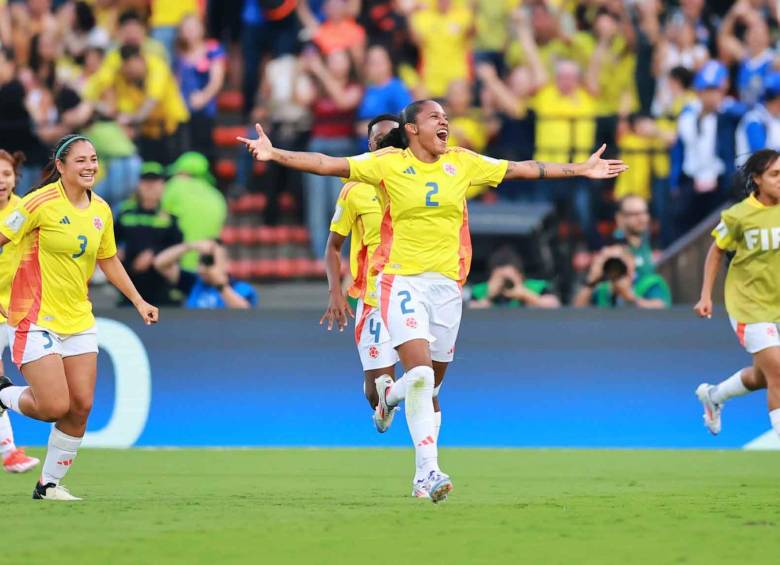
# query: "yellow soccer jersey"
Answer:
x=358 y=211
x=9 y=260
x=59 y=246
x=425 y=222
x=752 y=231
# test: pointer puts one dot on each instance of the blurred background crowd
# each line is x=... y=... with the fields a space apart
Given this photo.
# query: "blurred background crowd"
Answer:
x=681 y=90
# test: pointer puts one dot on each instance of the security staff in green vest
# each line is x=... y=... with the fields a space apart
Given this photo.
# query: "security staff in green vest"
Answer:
x=142 y=230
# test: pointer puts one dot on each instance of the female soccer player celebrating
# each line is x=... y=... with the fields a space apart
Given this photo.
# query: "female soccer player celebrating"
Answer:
x=425 y=249
x=750 y=229
x=14 y=459
x=64 y=229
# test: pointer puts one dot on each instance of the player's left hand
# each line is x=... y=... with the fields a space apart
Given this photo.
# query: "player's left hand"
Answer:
x=598 y=168
x=150 y=314
x=260 y=148
x=338 y=312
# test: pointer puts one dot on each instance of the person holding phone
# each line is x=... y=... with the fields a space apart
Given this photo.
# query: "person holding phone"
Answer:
x=210 y=286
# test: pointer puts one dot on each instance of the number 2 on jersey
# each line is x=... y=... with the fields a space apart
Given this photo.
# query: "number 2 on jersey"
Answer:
x=434 y=190
x=82 y=248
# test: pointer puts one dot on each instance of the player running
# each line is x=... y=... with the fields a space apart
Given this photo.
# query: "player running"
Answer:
x=425 y=249
x=359 y=213
x=751 y=230
x=64 y=229
x=14 y=459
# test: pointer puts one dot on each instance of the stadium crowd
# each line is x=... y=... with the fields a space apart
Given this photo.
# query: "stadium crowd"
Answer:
x=681 y=91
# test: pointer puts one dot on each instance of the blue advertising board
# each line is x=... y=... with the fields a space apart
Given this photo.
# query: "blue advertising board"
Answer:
x=520 y=379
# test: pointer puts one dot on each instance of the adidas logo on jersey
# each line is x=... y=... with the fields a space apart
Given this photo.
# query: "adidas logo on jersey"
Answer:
x=765 y=238
x=410 y=171
x=64 y=220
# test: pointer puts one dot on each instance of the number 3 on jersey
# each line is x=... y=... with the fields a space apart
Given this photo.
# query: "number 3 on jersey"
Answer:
x=82 y=246
x=434 y=190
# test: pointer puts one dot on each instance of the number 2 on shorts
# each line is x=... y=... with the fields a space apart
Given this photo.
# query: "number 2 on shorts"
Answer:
x=407 y=298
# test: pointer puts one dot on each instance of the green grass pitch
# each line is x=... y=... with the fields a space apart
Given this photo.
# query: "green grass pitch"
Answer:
x=341 y=506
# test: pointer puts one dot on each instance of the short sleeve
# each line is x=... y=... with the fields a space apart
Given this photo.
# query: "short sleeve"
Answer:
x=366 y=168
x=345 y=213
x=486 y=170
x=726 y=233
x=107 y=248
x=245 y=290
x=19 y=223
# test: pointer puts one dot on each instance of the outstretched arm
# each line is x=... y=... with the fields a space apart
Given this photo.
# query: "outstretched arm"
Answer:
x=594 y=168
x=316 y=163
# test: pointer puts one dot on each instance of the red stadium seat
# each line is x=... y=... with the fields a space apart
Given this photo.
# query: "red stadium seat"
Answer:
x=225 y=136
x=230 y=101
x=287 y=202
x=229 y=235
x=259 y=168
x=225 y=169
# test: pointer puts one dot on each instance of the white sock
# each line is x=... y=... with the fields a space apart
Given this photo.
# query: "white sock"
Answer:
x=730 y=388
x=9 y=396
x=6 y=436
x=774 y=417
x=59 y=457
x=398 y=391
x=420 y=419
x=436 y=425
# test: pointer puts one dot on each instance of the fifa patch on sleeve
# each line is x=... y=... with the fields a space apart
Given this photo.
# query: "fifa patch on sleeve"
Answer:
x=15 y=221
x=361 y=157
x=722 y=230
x=337 y=214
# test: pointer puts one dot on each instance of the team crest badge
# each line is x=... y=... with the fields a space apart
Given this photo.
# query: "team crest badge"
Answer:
x=450 y=169
x=411 y=323
x=373 y=352
x=98 y=223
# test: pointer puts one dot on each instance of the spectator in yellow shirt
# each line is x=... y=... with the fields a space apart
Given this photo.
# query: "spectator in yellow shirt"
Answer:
x=468 y=126
x=143 y=96
x=565 y=130
x=165 y=20
x=443 y=33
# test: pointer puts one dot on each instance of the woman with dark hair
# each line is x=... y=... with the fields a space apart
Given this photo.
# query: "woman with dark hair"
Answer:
x=750 y=230
x=200 y=71
x=14 y=459
x=64 y=230
x=425 y=249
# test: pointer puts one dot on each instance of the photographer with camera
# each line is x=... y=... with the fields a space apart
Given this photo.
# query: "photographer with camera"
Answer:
x=507 y=286
x=210 y=287
x=612 y=281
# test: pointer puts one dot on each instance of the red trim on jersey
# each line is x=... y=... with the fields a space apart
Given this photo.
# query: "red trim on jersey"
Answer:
x=25 y=303
x=387 y=289
x=465 y=250
x=741 y=333
x=358 y=288
x=345 y=189
x=382 y=253
x=363 y=317
x=36 y=202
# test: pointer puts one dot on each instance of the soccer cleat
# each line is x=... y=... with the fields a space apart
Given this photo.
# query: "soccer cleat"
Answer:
x=19 y=462
x=383 y=425
x=419 y=489
x=383 y=414
x=438 y=486
x=711 y=409
x=4 y=383
x=50 y=491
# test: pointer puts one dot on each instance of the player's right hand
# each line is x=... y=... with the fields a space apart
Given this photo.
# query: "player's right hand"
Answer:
x=338 y=312
x=703 y=308
x=260 y=148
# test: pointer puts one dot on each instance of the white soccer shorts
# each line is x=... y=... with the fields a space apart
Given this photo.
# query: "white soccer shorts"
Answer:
x=373 y=340
x=758 y=336
x=30 y=342
x=427 y=306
